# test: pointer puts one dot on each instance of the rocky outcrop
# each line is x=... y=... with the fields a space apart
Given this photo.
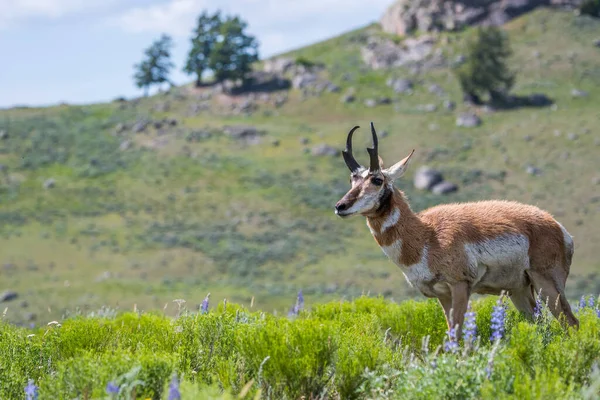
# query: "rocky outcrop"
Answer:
x=408 y=16
x=380 y=53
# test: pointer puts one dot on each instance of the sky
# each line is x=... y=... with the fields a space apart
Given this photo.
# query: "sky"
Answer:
x=83 y=51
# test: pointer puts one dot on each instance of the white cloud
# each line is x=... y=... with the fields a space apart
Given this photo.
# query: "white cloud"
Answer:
x=14 y=11
x=278 y=24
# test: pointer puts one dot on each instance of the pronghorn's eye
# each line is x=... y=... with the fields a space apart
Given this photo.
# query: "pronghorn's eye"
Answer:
x=377 y=181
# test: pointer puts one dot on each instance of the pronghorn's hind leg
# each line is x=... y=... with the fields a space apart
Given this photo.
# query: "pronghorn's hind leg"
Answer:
x=552 y=290
x=524 y=301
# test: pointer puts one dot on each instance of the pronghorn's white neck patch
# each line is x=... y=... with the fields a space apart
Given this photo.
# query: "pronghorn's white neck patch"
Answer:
x=391 y=220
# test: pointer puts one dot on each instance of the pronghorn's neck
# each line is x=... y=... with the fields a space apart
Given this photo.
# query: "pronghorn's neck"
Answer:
x=395 y=224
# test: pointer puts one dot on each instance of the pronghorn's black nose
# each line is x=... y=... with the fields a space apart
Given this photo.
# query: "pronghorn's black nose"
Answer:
x=341 y=207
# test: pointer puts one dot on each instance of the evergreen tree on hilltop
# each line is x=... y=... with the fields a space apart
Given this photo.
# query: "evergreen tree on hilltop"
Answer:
x=204 y=39
x=156 y=66
x=234 y=51
x=486 y=70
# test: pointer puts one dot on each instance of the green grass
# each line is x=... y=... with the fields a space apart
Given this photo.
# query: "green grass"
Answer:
x=367 y=348
x=254 y=224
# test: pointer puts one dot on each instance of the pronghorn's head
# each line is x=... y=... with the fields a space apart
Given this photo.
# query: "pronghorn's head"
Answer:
x=370 y=186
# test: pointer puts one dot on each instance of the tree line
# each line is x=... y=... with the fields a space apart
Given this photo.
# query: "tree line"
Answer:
x=219 y=45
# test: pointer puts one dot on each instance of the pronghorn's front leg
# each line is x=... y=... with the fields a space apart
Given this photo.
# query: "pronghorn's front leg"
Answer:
x=460 y=299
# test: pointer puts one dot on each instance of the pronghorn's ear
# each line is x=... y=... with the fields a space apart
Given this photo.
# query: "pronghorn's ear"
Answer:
x=380 y=163
x=397 y=170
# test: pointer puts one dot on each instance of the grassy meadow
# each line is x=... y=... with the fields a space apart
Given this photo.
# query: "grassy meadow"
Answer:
x=115 y=237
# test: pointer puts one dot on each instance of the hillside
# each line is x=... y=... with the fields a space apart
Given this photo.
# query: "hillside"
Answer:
x=137 y=203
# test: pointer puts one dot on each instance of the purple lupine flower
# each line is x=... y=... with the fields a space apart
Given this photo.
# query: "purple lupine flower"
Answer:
x=582 y=302
x=174 y=393
x=470 y=330
x=300 y=300
x=598 y=312
x=112 y=388
x=498 y=317
x=295 y=310
x=537 y=310
x=31 y=391
x=591 y=302
x=450 y=344
x=204 y=306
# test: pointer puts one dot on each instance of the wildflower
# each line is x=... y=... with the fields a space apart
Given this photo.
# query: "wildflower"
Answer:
x=537 y=310
x=31 y=391
x=112 y=388
x=451 y=345
x=598 y=312
x=582 y=302
x=470 y=330
x=498 y=317
x=204 y=306
x=591 y=302
x=295 y=310
x=174 y=393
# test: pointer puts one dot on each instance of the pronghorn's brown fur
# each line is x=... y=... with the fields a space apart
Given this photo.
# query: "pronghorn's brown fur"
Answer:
x=451 y=251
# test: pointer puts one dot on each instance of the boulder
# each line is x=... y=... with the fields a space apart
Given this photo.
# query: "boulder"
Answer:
x=426 y=177
x=8 y=295
x=49 y=183
x=444 y=187
x=579 y=93
x=408 y=16
x=242 y=132
x=278 y=65
x=304 y=80
x=400 y=85
x=468 y=120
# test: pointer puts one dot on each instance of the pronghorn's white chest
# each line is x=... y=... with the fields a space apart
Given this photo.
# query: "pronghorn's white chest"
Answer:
x=417 y=274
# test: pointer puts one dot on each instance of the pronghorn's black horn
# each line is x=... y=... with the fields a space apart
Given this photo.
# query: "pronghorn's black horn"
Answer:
x=373 y=152
x=352 y=164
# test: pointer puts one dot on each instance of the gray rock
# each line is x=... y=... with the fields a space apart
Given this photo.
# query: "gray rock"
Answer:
x=384 y=100
x=125 y=145
x=348 y=98
x=324 y=150
x=304 y=140
x=8 y=295
x=242 y=131
x=597 y=42
x=139 y=126
x=573 y=136
x=436 y=89
x=401 y=85
x=333 y=88
x=531 y=170
x=49 y=183
x=370 y=102
x=596 y=180
x=579 y=93
x=528 y=138
x=304 y=80
x=276 y=143
x=3 y=135
x=468 y=120
x=444 y=188
x=449 y=105
x=426 y=177
x=278 y=65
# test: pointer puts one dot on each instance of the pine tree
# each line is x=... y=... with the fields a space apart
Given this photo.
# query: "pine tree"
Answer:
x=204 y=38
x=234 y=51
x=486 y=70
x=156 y=66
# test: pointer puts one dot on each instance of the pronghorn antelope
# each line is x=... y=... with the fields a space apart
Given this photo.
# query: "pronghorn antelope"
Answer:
x=451 y=251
